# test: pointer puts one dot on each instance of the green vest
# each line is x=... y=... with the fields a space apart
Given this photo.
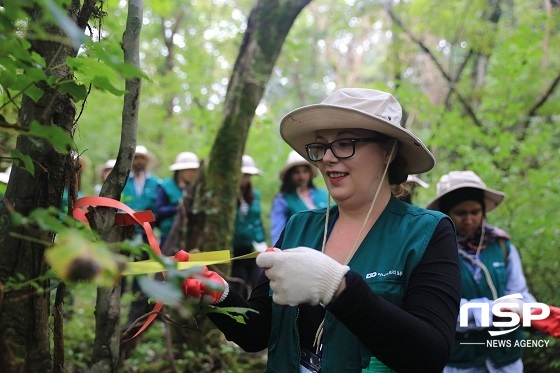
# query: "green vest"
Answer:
x=248 y=228
x=295 y=204
x=174 y=193
x=147 y=201
x=467 y=356
x=386 y=259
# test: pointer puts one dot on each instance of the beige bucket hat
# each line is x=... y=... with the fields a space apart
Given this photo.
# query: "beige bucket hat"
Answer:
x=248 y=166
x=185 y=161
x=142 y=150
x=5 y=176
x=294 y=160
x=110 y=164
x=455 y=180
x=356 y=108
x=416 y=181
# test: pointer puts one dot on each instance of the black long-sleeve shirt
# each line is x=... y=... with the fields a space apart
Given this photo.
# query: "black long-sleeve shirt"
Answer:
x=415 y=338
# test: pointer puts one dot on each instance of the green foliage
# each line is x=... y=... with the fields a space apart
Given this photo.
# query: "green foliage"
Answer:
x=54 y=135
x=185 y=79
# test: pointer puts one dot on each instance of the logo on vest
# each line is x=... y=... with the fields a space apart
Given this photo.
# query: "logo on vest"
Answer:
x=392 y=272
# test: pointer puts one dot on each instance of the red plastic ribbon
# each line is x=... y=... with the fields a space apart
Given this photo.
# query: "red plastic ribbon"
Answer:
x=130 y=217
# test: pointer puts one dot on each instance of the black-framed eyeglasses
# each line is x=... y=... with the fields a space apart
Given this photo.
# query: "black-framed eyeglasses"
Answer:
x=341 y=148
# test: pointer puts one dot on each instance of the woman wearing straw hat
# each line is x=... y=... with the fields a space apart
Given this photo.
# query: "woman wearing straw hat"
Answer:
x=248 y=230
x=173 y=189
x=370 y=281
x=297 y=193
x=490 y=268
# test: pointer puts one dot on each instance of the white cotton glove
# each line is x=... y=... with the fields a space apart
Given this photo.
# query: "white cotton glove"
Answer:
x=302 y=275
x=511 y=303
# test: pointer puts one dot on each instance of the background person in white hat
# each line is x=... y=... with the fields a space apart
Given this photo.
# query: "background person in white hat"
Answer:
x=173 y=189
x=412 y=182
x=248 y=232
x=297 y=193
x=4 y=178
x=490 y=269
x=370 y=281
x=140 y=190
x=103 y=171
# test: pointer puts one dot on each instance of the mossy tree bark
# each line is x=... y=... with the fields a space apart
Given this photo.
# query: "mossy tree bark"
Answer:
x=25 y=312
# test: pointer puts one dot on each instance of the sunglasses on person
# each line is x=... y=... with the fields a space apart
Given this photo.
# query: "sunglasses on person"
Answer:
x=341 y=148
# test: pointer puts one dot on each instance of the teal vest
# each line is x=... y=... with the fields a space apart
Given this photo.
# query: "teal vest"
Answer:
x=147 y=201
x=295 y=204
x=248 y=228
x=174 y=193
x=386 y=259
x=466 y=356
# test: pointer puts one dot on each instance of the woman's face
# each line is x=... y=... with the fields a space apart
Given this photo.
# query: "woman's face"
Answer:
x=301 y=176
x=355 y=178
x=467 y=217
x=187 y=176
x=245 y=180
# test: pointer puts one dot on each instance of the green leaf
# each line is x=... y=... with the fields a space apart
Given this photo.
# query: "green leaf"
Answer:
x=35 y=73
x=47 y=221
x=55 y=135
x=17 y=218
x=162 y=291
x=77 y=91
x=104 y=83
x=7 y=79
x=34 y=92
x=97 y=73
x=239 y=314
x=25 y=161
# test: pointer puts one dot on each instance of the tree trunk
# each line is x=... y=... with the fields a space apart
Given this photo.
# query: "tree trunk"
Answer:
x=107 y=308
x=267 y=27
x=24 y=313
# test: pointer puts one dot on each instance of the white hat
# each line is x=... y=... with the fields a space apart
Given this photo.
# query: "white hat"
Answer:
x=465 y=179
x=142 y=150
x=185 y=161
x=294 y=159
x=106 y=166
x=356 y=108
x=413 y=179
x=5 y=176
x=248 y=166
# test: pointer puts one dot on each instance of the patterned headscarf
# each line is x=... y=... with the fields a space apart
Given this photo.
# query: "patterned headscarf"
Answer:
x=491 y=234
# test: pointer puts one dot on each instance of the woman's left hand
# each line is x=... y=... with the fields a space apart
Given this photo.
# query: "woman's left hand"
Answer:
x=302 y=275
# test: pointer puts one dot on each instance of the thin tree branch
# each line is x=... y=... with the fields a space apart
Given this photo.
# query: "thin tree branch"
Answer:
x=424 y=48
x=458 y=76
x=533 y=111
x=58 y=329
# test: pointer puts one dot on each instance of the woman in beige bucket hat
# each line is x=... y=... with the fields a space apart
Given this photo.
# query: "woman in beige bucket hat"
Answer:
x=297 y=193
x=173 y=189
x=490 y=269
x=248 y=231
x=371 y=281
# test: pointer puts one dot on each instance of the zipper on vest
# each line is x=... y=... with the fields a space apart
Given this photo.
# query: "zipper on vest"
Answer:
x=297 y=337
